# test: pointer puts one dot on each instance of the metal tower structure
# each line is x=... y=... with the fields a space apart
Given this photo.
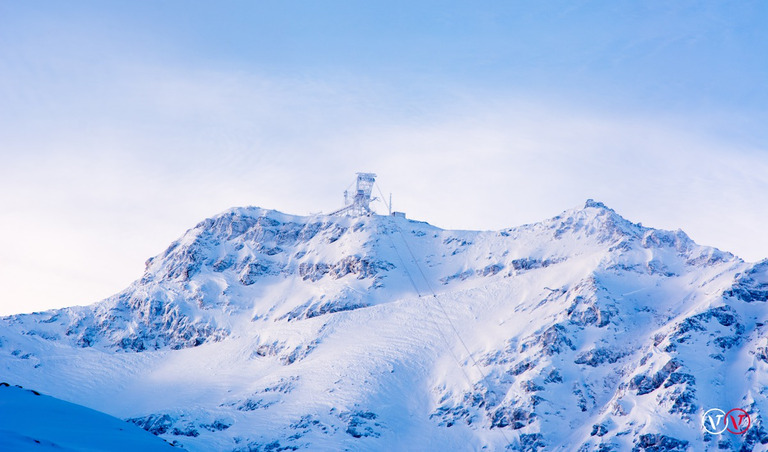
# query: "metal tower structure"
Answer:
x=359 y=203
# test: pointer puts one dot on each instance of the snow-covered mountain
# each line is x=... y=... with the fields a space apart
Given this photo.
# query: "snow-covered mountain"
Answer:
x=258 y=330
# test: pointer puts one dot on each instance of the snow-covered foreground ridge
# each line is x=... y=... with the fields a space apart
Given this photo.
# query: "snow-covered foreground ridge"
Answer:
x=258 y=330
x=30 y=421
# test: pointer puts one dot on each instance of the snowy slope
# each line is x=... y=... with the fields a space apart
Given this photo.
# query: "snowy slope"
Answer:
x=32 y=421
x=258 y=330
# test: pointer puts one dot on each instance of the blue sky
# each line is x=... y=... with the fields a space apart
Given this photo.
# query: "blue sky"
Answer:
x=124 y=123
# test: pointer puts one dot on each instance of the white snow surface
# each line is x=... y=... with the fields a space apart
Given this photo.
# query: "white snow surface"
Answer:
x=30 y=421
x=258 y=330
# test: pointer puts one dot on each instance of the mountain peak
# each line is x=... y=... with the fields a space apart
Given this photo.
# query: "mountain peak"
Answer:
x=596 y=204
x=594 y=219
x=331 y=317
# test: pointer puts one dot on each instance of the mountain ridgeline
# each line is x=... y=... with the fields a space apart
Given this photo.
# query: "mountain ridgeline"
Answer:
x=258 y=330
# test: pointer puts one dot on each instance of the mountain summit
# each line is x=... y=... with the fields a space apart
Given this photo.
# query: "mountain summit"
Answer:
x=258 y=330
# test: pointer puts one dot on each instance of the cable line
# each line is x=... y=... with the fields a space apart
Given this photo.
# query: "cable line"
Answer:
x=442 y=309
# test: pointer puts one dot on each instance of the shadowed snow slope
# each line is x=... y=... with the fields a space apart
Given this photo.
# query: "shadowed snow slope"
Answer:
x=258 y=330
x=32 y=421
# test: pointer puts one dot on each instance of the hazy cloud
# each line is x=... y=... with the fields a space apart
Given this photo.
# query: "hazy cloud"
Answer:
x=122 y=127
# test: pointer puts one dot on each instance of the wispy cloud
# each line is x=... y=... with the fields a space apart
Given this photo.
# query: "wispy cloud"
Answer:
x=88 y=200
x=123 y=125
